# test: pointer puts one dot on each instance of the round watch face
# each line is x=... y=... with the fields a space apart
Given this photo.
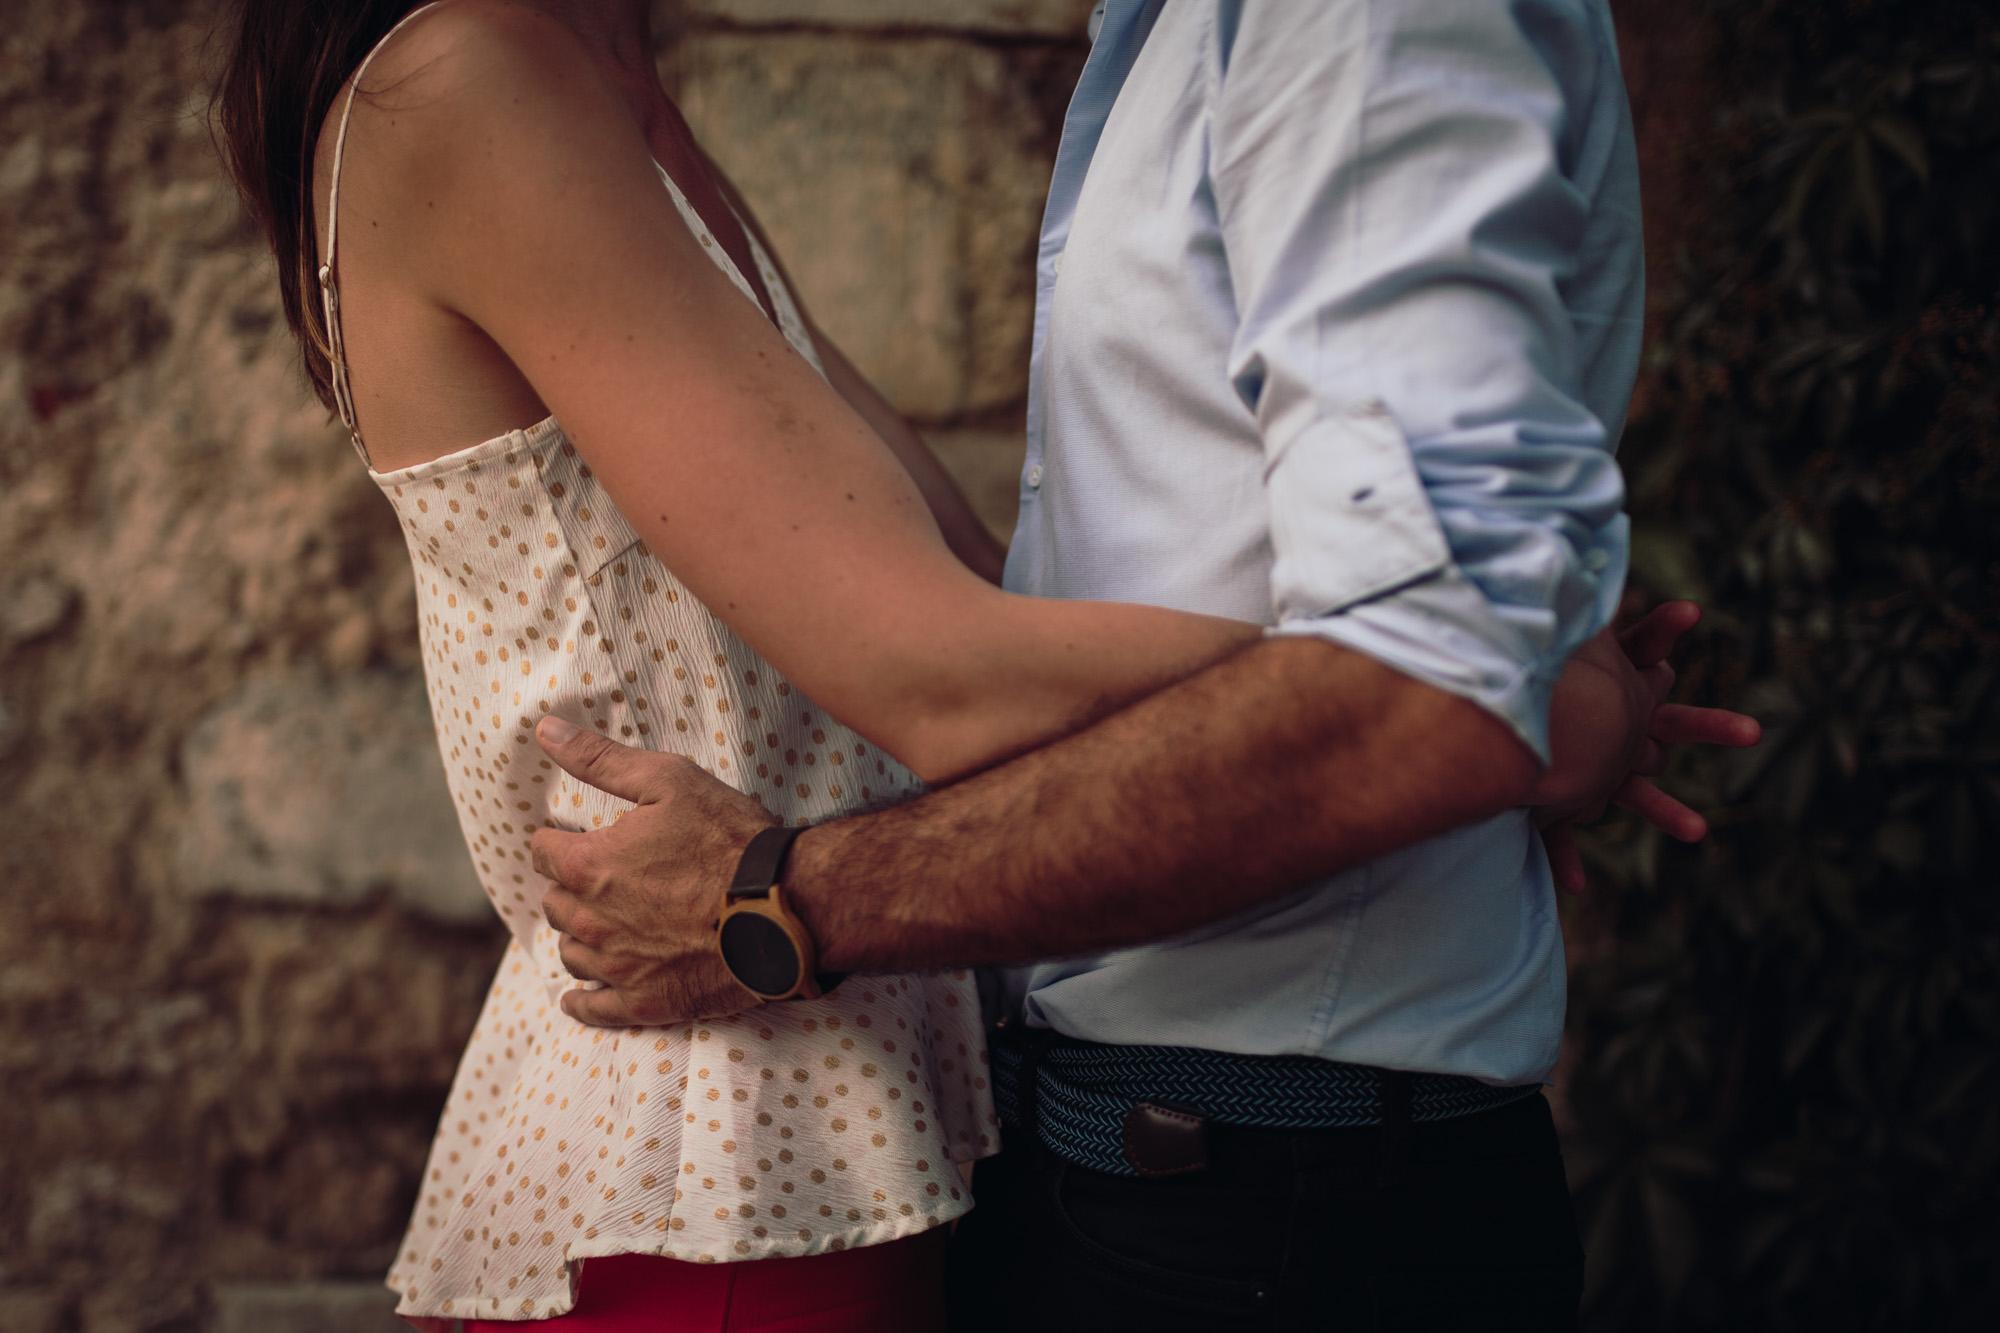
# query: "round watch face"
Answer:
x=760 y=953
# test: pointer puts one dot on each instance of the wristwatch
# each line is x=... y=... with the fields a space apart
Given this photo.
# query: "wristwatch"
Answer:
x=763 y=944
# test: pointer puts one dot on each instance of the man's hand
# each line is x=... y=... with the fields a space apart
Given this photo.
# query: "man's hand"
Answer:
x=637 y=902
x=1609 y=727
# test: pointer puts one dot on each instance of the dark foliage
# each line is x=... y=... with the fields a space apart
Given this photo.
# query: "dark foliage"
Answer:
x=1787 y=1084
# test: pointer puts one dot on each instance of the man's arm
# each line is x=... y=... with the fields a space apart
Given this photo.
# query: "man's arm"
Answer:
x=1171 y=813
x=1397 y=191
x=1286 y=761
x=1291 y=760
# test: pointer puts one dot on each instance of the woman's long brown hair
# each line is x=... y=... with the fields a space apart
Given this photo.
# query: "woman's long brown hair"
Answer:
x=287 y=60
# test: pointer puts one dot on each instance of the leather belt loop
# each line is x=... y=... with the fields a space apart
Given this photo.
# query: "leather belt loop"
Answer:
x=1394 y=1092
x=1162 y=1139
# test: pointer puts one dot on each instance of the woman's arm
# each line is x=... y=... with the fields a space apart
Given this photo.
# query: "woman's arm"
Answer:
x=531 y=206
x=963 y=530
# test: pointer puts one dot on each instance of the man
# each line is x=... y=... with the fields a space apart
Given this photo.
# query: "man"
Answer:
x=1338 y=313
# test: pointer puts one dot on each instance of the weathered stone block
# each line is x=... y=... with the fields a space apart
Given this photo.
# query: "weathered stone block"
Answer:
x=987 y=466
x=32 y=606
x=902 y=184
x=306 y=1307
x=1051 y=18
x=316 y=791
x=30 y=1311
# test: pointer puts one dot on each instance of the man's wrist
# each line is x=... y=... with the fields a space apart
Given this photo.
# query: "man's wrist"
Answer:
x=812 y=893
x=870 y=910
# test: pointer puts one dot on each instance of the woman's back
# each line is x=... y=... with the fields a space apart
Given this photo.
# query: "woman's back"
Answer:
x=792 y=1129
x=430 y=377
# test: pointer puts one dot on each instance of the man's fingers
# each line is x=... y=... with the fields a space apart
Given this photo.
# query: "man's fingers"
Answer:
x=1652 y=760
x=1651 y=637
x=1672 y=818
x=559 y=855
x=1565 y=861
x=601 y=761
x=559 y=908
x=579 y=959
x=602 y=1007
x=1659 y=681
x=570 y=917
x=1682 y=724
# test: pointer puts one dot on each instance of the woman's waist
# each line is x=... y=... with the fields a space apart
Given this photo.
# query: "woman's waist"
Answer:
x=874 y=1043
x=808 y=1104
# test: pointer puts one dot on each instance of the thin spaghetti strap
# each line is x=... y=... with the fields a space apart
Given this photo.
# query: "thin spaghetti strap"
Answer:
x=343 y=392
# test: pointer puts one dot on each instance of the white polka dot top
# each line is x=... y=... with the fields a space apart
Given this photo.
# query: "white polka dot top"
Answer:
x=793 y=1129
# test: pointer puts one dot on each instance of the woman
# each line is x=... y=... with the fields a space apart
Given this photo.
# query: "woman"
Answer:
x=708 y=505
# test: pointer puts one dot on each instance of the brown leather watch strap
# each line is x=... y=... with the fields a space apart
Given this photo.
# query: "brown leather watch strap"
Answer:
x=762 y=860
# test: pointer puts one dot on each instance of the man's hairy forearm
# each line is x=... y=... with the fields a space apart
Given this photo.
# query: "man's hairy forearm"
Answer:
x=1290 y=760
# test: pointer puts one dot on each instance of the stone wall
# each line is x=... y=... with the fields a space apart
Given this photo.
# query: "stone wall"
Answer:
x=241 y=946
x=240 y=949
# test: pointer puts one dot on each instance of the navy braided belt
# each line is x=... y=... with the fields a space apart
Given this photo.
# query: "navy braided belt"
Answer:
x=1083 y=1091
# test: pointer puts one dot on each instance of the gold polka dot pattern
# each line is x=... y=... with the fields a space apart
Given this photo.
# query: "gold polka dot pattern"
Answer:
x=793 y=1129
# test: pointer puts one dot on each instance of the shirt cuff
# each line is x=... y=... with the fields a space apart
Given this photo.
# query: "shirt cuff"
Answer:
x=1446 y=633
x=1350 y=519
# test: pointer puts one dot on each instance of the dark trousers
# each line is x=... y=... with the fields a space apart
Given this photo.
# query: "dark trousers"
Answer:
x=1462 y=1224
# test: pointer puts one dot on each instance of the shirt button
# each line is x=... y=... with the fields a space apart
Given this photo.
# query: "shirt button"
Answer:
x=1034 y=476
x=1595 y=561
x=1055 y=266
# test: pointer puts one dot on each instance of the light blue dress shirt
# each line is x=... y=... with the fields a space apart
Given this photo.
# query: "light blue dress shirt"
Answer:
x=1338 y=310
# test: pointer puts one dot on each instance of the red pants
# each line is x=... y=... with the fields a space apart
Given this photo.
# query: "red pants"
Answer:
x=897 y=1287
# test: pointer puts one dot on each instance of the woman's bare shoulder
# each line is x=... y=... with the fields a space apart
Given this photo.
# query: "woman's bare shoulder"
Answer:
x=460 y=82
x=459 y=46
x=475 y=106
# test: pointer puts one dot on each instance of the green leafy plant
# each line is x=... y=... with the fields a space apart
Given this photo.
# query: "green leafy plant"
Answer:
x=1786 y=1090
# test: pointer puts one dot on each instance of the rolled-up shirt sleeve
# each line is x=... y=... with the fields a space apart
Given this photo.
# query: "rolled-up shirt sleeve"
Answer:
x=1390 y=184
